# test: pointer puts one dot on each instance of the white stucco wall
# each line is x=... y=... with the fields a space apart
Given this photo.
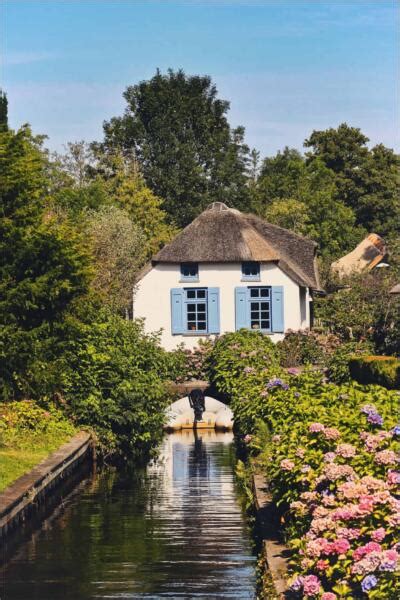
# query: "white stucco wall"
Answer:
x=152 y=298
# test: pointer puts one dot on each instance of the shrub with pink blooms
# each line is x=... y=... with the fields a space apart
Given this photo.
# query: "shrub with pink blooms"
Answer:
x=337 y=487
x=330 y=454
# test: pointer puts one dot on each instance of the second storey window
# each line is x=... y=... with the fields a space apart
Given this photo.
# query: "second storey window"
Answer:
x=189 y=272
x=196 y=310
x=251 y=271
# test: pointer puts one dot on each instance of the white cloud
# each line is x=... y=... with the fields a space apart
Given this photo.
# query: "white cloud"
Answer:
x=26 y=58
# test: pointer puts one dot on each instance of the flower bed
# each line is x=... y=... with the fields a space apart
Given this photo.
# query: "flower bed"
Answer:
x=329 y=453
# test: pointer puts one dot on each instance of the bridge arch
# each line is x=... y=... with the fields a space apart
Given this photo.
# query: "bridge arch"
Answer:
x=217 y=415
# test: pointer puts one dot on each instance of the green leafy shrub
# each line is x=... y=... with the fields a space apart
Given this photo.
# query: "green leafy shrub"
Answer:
x=239 y=367
x=113 y=379
x=18 y=419
x=338 y=363
x=381 y=370
x=305 y=347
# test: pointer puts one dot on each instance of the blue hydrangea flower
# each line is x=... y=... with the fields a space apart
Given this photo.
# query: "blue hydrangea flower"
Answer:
x=396 y=430
x=368 y=583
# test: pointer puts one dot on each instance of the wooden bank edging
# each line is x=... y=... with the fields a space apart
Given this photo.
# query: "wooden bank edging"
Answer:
x=274 y=551
x=19 y=498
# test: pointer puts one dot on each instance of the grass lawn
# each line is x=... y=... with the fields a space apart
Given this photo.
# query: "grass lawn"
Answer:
x=16 y=461
x=28 y=434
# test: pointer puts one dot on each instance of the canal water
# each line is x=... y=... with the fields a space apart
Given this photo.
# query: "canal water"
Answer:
x=172 y=530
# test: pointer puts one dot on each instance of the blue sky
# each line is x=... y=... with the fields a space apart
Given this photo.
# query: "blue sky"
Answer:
x=287 y=67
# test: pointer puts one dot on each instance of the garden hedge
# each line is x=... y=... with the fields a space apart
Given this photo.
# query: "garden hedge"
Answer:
x=381 y=370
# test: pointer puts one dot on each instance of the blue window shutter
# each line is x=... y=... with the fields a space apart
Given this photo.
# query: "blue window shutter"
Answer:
x=242 y=309
x=177 y=316
x=277 y=309
x=213 y=310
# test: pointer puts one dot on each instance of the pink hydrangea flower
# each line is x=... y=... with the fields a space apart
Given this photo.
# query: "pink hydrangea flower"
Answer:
x=369 y=564
x=328 y=596
x=316 y=428
x=322 y=565
x=366 y=549
x=386 y=457
x=331 y=433
x=349 y=533
x=332 y=472
x=317 y=547
x=346 y=450
x=311 y=585
x=341 y=546
x=378 y=535
x=393 y=478
x=329 y=457
x=287 y=465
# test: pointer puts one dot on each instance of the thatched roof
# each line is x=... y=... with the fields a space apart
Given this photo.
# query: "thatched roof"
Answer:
x=367 y=255
x=222 y=234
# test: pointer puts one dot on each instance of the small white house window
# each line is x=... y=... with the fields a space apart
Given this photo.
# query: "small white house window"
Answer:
x=251 y=271
x=196 y=310
x=189 y=272
x=260 y=308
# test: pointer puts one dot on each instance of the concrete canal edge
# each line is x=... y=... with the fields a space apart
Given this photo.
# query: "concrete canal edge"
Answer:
x=31 y=489
x=275 y=553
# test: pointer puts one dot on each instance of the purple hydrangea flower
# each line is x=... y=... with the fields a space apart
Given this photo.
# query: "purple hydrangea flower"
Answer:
x=374 y=418
x=396 y=430
x=368 y=583
x=297 y=584
x=277 y=382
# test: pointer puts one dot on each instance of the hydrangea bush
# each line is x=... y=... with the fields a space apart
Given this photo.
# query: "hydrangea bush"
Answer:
x=330 y=453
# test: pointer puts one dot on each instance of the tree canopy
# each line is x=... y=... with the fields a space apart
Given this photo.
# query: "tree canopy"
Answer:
x=177 y=128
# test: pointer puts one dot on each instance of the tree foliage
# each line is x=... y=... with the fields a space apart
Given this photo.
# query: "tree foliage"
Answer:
x=118 y=247
x=178 y=129
x=366 y=180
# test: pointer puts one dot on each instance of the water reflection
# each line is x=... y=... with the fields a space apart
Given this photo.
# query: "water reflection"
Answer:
x=173 y=530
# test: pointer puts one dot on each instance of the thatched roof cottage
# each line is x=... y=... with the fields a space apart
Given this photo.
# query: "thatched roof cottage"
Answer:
x=225 y=271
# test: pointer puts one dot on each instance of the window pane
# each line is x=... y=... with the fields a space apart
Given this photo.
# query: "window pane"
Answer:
x=265 y=292
x=255 y=306
x=254 y=292
x=191 y=293
x=255 y=325
x=189 y=270
x=254 y=315
x=250 y=269
x=202 y=327
x=201 y=293
x=201 y=307
x=201 y=316
x=264 y=324
x=264 y=306
x=191 y=316
x=191 y=308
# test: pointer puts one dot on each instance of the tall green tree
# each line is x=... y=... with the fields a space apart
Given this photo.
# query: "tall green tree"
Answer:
x=367 y=180
x=177 y=128
x=303 y=197
x=43 y=266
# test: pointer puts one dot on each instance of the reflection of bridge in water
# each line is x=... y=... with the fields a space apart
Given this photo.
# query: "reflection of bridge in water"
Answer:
x=216 y=415
x=205 y=521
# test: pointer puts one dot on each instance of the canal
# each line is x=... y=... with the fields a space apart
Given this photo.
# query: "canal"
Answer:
x=172 y=530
